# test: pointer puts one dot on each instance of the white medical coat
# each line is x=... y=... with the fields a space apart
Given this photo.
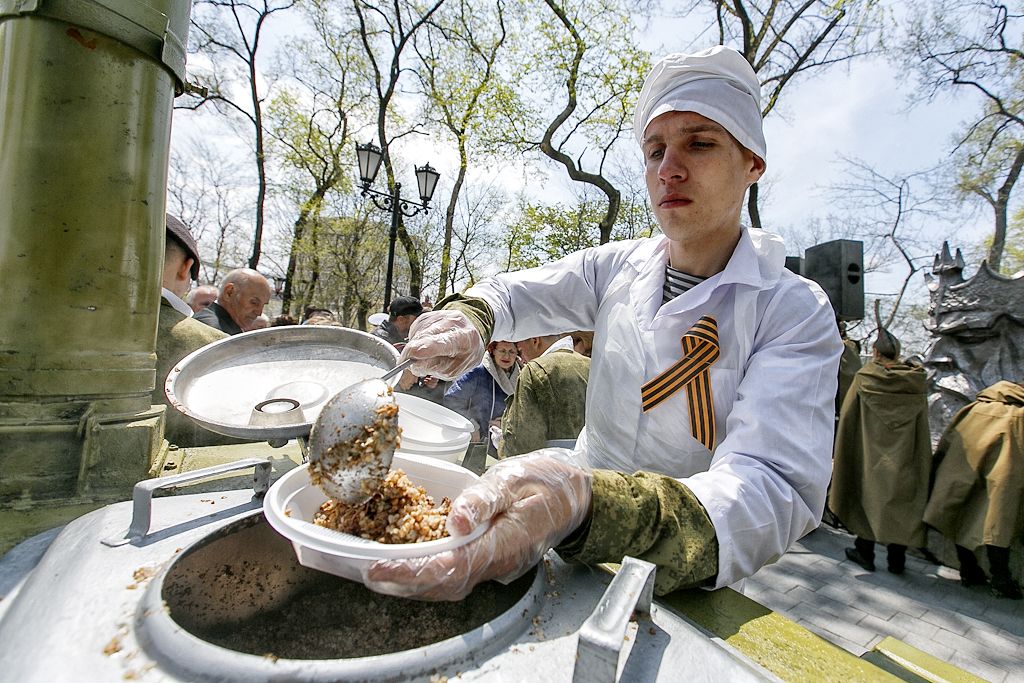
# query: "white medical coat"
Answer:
x=773 y=386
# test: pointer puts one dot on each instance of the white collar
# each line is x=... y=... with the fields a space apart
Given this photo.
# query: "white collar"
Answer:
x=563 y=344
x=176 y=303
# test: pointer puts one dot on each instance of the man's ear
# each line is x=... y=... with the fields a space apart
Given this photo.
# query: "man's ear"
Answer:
x=184 y=273
x=756 y=169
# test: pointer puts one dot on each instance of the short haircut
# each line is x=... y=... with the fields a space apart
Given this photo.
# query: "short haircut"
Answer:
x=404 y=305
x=174 y=249
x=240 y=278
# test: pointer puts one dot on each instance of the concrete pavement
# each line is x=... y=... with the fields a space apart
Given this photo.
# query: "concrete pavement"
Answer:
x=926 y=607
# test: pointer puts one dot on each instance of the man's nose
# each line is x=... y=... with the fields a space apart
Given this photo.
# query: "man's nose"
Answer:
x=672 y=166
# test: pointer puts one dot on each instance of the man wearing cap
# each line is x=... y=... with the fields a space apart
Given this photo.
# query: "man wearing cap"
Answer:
x=402 y=311
x=883 y=457
x=178 y=334
x=243 y=294
x=713 y=377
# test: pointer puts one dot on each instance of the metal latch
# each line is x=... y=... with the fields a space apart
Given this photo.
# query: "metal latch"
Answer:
x=142 y=494
x=602 y=634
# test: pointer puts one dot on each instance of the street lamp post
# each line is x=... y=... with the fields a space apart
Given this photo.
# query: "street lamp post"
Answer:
x=370 y=156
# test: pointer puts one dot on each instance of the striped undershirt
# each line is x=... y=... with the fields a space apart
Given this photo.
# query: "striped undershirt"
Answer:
x=677 y=282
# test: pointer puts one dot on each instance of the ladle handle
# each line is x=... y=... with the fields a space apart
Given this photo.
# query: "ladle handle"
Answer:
x=142 y=495
x=397 y=369
x=601 y=636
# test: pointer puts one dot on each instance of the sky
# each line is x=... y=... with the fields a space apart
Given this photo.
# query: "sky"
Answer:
x=861 y=110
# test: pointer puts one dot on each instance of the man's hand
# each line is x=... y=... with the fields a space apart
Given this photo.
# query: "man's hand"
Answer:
x=406 y=381
x=533 y=502
x=445 y=344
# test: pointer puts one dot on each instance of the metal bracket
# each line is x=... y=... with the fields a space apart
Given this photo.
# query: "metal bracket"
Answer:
x=142 y=495
x=475 y=459
x=602 y=634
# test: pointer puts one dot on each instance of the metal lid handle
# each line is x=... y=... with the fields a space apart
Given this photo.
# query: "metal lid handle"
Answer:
x=142 y=494
x=602 y=634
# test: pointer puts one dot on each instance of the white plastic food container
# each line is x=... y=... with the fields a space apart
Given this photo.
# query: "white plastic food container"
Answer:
x=431 y=430
x=292 y=501
x=450 y=451
x=428 y=421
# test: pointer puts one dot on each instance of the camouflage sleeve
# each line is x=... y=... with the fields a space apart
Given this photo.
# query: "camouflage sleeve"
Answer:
x=524 y=426
x=477 y=310
x=651 y=517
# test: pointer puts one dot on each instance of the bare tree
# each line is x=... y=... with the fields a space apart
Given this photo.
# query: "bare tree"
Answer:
x=895 y=215
x=574 y=94
x=976 y=46
x=481 y=217
x=229 y=32
x=310 y=127
x=458 y=65
x=782 y=39
x=386 y=30
x=204 y=190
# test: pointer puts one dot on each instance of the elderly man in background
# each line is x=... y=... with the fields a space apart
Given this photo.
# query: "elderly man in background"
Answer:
x=243 y=294
x=178 y=334
x=201 y=297
x=713 y=378
x=550 y=399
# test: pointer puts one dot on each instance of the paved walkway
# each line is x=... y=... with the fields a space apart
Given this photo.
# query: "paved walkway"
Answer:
x=926 y=607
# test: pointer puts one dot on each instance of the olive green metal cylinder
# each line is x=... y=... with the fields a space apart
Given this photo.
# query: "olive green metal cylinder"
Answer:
x=84 y=135
x=86 y=92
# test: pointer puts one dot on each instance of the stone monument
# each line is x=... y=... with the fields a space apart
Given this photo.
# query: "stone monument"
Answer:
x=978 y=325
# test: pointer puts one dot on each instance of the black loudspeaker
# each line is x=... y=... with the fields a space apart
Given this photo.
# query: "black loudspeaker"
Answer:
x=838 y=266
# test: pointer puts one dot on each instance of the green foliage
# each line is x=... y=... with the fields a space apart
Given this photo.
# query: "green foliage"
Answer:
x=569 y=89
x=350 y=254
x=545 y=233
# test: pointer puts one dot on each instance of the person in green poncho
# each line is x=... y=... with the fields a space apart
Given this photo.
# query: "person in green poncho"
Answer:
x=978 y=495
x=883 y=457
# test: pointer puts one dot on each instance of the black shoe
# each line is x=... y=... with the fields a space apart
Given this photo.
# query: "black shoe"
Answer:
x=1005 y=587
x=973 y=577
x=853 y=555
x=896 y=558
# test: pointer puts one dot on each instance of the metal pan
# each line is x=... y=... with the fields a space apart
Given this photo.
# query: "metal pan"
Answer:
x=220 y=385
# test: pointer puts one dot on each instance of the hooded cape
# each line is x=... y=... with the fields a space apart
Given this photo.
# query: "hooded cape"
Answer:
x=883 y=455
x=977 y=495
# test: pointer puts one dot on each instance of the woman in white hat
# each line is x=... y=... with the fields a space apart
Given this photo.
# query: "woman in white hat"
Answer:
x=713 y=375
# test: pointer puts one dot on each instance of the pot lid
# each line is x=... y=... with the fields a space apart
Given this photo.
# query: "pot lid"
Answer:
x=271 y=384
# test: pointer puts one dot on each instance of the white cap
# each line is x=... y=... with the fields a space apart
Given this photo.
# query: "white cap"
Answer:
x=717 y=83
x=376 y=318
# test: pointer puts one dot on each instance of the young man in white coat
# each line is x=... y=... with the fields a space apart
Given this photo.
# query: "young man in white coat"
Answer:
x=713 y=376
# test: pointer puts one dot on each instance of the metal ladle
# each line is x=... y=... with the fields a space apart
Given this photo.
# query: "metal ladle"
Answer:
x=354 y=438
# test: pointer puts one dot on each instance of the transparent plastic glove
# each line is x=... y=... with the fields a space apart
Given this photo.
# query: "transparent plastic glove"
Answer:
x=533 y=501
x=495 y=433
x=445 y=344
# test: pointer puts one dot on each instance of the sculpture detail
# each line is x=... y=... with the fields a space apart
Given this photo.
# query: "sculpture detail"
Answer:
x=978 y=325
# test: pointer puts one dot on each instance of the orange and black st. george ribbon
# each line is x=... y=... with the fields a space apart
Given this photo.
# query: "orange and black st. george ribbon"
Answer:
x=700 y=350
